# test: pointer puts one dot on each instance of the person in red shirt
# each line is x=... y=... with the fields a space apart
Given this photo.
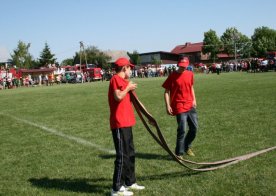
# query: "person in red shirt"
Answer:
x=180 y=101
x=121 y=121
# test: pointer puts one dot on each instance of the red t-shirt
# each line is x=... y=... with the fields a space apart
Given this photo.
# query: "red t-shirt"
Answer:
x=180 y=87
x=121 y=112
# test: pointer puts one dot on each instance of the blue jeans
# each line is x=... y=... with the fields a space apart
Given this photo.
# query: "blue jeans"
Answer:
x=183 y=143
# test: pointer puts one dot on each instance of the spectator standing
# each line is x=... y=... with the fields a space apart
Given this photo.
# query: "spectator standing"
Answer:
x=39 y=79
x=46 y=79
x=102 y=74
x=218 y=68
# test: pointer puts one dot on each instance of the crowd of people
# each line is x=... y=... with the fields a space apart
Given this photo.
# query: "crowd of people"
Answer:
x=249 y=65
x=9 y=82
x=252 y=65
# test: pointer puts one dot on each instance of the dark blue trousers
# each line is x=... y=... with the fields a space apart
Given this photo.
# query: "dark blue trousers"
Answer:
x=124 y=170
x=183 y=142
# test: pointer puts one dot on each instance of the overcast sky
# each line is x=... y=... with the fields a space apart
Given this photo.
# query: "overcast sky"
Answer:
x=144 y=25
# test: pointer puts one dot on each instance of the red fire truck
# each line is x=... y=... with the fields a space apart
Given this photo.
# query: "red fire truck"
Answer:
x=93 y=72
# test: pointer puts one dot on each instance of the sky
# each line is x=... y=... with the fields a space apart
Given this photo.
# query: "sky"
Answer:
x=144 y=25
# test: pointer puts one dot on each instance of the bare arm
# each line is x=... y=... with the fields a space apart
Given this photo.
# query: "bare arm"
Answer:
x=194 y=98
x=167 y=102
x=119 y=95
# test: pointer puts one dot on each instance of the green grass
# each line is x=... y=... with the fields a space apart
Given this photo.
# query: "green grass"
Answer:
x=237 y=113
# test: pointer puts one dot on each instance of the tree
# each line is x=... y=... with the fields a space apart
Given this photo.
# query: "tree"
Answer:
x=46 y=57
x=155 y=61
x=93 y=56
x=211 y=44
x=244 y=47
x=35 y=64
x=134 y=57
x=235 y=42
x=263 y=40
x=68 y=61
x=21 y=56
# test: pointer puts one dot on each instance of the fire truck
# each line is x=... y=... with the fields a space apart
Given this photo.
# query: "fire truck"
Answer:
x=8 y=77
x=93 y=72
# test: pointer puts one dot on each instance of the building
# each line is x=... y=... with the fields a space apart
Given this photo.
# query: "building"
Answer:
x=159 y=56
x=195 y=54
x=115 y=54
x=191 y=50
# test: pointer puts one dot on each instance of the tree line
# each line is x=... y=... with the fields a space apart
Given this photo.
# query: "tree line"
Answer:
x=22 y=58
x=232 y=42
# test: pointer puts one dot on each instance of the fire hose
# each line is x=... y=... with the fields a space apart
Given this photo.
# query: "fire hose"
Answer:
x=159 y=138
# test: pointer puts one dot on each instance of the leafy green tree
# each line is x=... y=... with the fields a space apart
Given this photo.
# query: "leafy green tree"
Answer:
x=68 y=61
x=35 y=64
x=235 y=43
x=211 y=44
x=76 y=58
x=134 y=57
x=244 y=48
x=46 y=57
x=263 y=40
x=21 y=56
x=155 y=61
x=102 y=60
x=106 y=66
x=93 y=56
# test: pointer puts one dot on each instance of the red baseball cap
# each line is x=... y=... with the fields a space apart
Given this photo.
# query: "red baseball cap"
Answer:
x=123 y=61
x=183 y=62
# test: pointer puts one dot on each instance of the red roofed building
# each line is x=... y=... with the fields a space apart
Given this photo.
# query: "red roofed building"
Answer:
x=225 y=57
x=188 y=48
x=37 y=71
x=191 y=50
x=194 y=52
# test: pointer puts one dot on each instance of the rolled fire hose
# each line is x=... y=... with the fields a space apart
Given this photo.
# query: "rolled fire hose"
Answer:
x=159 y=138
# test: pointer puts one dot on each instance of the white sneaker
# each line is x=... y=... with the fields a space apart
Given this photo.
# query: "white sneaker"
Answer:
x=135 y=186
x=122 y=192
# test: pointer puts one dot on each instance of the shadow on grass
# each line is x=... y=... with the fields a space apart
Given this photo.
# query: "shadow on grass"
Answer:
x=74 y=185
x=97 y=185
x=141 y=156
x=185 y=173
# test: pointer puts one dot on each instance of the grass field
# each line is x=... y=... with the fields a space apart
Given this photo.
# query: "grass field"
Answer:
x=56 y=140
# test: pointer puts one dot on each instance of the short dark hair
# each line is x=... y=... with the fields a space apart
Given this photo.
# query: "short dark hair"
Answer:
x=118 y=69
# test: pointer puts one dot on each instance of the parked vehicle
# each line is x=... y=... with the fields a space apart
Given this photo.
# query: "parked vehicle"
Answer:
x=72 y=77
x=93 y=74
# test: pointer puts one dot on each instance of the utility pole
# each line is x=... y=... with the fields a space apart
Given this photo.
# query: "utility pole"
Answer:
x=235 y=52
x=81 y=44
x=83 y=50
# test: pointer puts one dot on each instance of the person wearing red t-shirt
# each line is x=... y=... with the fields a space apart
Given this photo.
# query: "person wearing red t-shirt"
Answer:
x=180 y=101
x=121 y=121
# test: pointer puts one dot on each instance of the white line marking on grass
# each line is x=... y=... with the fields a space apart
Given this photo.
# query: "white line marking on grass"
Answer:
x=59 y=133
